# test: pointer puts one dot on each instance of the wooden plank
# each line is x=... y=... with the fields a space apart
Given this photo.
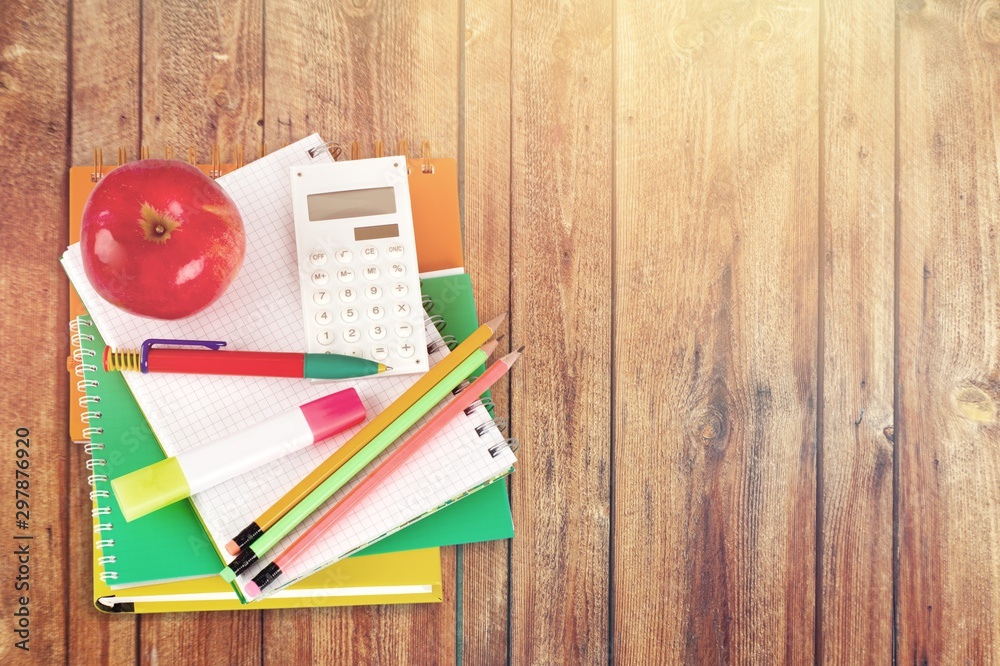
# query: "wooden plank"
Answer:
x=716 y=332
x=202 y=76
x=858 y=235
x=949 y=314
x=105 y=95
x=202 y=83
x=365 y=71
x=561 y=204
x=34 y=100
x=106 y=78
x=485 y=154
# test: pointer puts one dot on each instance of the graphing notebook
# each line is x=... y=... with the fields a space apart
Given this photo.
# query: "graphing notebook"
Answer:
x=261 y=310
x=123 y=442
x=168 y=563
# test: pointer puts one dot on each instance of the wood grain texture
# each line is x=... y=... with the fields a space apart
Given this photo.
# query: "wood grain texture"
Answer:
x=34 y=102
x=858 y=234
x=202 y=75
x=106 y=76
x=949 y=318
x=202 y=83
x=365 y=71
x=485 y=153
x=716 y=339
x=561 y=208
x=105 y=100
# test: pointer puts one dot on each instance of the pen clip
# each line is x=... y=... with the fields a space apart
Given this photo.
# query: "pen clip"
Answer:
x=214 y=345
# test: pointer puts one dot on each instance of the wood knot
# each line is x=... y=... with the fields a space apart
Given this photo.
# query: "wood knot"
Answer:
x=760 y=30
x=222 y=99
x=890 y=433
x=712 y=429
x=989 y=22
x=691 y=36
x=973 y=403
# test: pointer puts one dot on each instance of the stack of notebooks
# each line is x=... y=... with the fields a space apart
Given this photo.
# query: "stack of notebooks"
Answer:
x=387 y=551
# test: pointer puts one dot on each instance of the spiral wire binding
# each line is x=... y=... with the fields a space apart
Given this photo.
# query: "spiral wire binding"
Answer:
x=94 y=464
x=427 y=303
x=500 y=424
x=509 y=443
x=448 y=341
x=426 y=166
x=485 y=403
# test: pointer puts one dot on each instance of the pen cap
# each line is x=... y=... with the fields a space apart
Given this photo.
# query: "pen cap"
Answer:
x=150 y=488
x=333 y=413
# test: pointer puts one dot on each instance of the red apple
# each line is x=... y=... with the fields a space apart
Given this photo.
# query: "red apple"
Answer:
x=161 y=239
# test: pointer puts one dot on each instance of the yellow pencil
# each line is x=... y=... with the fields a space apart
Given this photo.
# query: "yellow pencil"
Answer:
x=274 y=513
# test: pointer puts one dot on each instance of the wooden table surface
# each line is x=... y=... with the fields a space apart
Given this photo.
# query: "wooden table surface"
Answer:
x=752 y=249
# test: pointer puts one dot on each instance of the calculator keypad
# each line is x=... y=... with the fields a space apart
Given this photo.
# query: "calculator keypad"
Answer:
x=386 y=324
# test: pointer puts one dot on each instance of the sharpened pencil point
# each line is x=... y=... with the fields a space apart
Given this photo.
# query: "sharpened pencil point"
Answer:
x=494 y=323
x=499 y=338
x=520 y=349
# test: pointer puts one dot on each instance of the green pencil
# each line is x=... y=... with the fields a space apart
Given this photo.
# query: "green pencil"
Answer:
x=336 y=481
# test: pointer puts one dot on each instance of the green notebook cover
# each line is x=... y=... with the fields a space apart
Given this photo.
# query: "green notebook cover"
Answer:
x=174 y=536
x=170 y=545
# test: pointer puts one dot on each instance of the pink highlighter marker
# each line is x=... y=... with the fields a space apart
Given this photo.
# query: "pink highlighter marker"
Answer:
x=190 y=472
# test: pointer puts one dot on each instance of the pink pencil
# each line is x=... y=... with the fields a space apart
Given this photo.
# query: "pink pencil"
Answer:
x=436 y=423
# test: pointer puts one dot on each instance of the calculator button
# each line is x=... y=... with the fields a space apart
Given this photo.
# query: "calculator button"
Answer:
x=350 y=315
x=373 y=292
x=403 y=330
x=397 y=270
x=380 y=353
x=325 y=338
x=376 y=312
x=348 y=295
x=318 y=258
x=369 y=253
x=394 y=251
x=321 y=297
x=399 y=289
x=344 y=256
x=401 y=309
x=371 y=272
x=377 y=332
x=345 y=274
x=323 y=318
x=406 y=350
x=354 y=351
x=352 y=335
x=319 y=278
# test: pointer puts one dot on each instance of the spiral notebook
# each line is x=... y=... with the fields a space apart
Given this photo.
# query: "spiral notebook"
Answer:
x=261 y=310
x=167 y=563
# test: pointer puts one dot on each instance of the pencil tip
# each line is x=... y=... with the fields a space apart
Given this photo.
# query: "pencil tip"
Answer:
x=520 y=349
x=500 y=338
x=496 y=321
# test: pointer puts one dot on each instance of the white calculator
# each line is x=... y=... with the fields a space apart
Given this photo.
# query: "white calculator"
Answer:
x=358 y=262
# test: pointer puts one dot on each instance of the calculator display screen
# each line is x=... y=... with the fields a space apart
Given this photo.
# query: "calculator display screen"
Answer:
x=381 y=231
x=351 y=203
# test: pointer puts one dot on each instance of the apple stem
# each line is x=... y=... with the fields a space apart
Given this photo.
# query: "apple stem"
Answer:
x=156 y=225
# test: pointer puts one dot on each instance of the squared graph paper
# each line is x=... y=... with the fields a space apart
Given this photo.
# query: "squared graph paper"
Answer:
x=262 y=310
